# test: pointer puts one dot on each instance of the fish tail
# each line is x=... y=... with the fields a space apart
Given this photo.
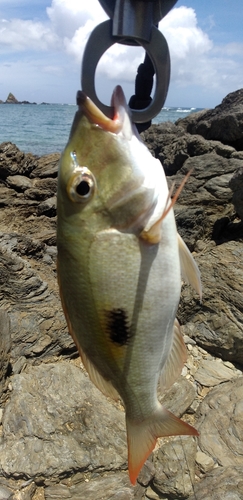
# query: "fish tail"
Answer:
x=142 y=436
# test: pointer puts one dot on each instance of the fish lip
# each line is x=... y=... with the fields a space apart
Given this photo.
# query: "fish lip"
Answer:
x=97 y=117
x=118 y=99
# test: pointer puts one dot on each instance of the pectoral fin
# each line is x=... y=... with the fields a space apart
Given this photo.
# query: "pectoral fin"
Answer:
x=189 y=269
x=142 y=436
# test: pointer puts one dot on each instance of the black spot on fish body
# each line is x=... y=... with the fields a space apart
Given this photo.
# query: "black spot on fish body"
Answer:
x=117 y=326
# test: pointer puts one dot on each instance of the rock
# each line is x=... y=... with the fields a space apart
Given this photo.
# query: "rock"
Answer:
x=222 y=483
x=211 y=373
x=113 y=487
x=216 y=324
x=11 y=99
x=14 y=162
x=236 y=185
x=204 y=462
x=48 y=207
x=206 y=199
x=220 y=423
x=56 y=422
x=38 y=327
x=46 y=166
x=174 y=466
x=41 y=189
x=5 y=492
x=223 y=123
x=19 y=182
x=179 y=397
x=53 y=444
x=5 y=347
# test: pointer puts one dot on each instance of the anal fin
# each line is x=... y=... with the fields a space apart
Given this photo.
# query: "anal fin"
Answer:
x=105 y=386
x=175 y=361
x=189 y=269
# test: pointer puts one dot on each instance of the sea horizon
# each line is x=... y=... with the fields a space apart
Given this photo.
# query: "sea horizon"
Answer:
x=44 y=128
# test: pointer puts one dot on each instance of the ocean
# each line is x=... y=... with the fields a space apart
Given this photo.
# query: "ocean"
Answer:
x=44 y=128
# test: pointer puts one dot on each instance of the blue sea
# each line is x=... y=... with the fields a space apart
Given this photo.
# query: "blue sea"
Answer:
x=44 y=128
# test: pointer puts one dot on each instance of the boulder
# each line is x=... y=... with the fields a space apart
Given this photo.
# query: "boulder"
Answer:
x=236 y=185
x=57 y=423
x=220 y=423
x=221 y=483
x=223 y=123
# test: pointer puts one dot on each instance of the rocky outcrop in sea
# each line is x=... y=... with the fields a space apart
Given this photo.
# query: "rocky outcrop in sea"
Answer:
x=60 y=438
x=11 y=99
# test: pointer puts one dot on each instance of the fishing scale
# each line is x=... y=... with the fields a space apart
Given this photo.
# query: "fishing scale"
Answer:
x=132 y=22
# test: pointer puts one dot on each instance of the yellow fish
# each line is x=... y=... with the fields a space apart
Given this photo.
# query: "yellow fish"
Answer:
x=119 y=269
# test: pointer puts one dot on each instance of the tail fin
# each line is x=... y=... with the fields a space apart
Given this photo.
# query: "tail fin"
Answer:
x=142 y=436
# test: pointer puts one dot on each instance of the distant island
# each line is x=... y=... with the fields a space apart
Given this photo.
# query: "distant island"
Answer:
x=11 y=99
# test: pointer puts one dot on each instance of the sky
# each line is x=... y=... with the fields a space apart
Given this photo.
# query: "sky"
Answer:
x=42 y=42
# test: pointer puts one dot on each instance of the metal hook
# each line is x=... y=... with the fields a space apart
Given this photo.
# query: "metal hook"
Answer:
x=100 y=40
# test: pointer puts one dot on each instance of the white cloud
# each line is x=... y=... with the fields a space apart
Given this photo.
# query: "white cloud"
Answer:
x=19 y=35
x=195 y=59
x=68 y=16
x=189 y=46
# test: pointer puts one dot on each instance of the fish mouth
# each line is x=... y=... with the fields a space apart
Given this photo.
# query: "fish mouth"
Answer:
x=97 y=117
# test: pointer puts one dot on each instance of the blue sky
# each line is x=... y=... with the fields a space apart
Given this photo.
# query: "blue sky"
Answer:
x=42 y=41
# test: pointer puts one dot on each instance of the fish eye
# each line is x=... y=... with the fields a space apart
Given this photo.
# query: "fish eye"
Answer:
x=81 y=185
x=83 y=188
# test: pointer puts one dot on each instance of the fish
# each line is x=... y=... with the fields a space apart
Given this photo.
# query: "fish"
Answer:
x=119 y=264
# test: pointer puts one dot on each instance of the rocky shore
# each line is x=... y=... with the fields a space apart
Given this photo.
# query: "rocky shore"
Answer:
x=59 y=437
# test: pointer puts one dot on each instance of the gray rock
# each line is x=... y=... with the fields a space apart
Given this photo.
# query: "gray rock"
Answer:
x=220 y=423
x=223 y=123
x=113 y=487
x=48 y=207
x=216 y=324
x=41 y=189
x=179 y=397
x=56 y=422
x=211 y=373
x=174 y=466
x=5 y=492
x=38 y=327
x=5 y=347
x=222 y=483
x=19 y=182
x=15 y=162
x=46 y=166
x=206 y=199
x=236 y=184
x=204 y=462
